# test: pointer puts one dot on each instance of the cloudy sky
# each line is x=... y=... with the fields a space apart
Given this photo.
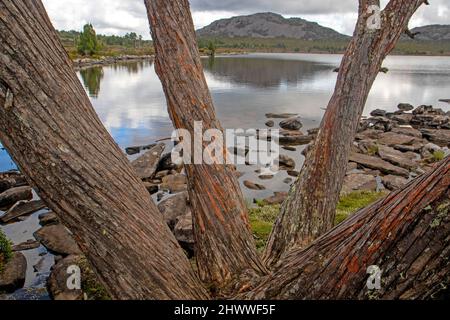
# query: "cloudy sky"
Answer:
x=122 y=16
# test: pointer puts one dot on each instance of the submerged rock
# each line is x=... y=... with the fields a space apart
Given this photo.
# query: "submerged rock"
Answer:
x=291 y=124
x=28 y=245
x=254 y=186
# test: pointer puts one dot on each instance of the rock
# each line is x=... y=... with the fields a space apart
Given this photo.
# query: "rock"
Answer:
x=13 y=276
x=277 y=198
x=22 y=208
x=405 y=107
x=431 y=147
x=174 y=183
x=293 y=173
x=288 y=180
x=48 y=218
x=57 y=238
x=288 y=148
x=28 y=245
x=378 y=164
x=313 y=132
x=173 y=208
x=266 y=176
x=378 y=113
x=431 y=121
x=57 y=282
x=402 y=119
x=415 y=147
x=238 y=174
x=146 y=165
x=254 y=186
x=291 y=124
x=162 y=174
x=166 y=163
x=445 y=100
x=135 y=150
x=184 y=233
x=396 y=157
x=270 y=123
x=280 y=115
x=286 y=163
x=440 y=137
x=428 y=110
x=369 y=134
x=408 y=131
x=392 y=139
x=297 y=140
x=290 y=133
x=10 y=180
x=394 y=182
x=11 y=196
x=358 y=181
x=351 y=166
x=151 y=187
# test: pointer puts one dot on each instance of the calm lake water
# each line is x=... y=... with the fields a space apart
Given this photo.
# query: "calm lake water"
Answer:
x=129 y=98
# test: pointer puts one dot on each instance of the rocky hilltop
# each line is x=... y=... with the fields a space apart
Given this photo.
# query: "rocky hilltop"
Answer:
x=269 y=25
x=437 y=32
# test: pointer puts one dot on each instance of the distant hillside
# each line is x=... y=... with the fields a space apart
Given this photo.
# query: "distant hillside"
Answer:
x=435 y=32
x=269 y=25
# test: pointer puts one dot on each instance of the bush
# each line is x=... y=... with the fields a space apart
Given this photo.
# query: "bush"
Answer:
x=5 y=250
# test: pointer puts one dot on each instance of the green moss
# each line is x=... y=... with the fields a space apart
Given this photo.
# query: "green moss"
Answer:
x=90 y=285
x=438 y=155
x=372 y=150
x=5 y=250
x=355 y=201
x=262 y=219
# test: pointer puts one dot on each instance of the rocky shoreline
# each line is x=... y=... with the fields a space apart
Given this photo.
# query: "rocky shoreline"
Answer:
x=104 y=61
x=390 y=149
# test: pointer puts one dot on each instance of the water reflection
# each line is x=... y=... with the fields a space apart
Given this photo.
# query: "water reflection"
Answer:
x=92 y=78
x=262 y=72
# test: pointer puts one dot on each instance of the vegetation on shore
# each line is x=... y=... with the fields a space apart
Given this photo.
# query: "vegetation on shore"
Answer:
x=5 y=250
x=262 y=217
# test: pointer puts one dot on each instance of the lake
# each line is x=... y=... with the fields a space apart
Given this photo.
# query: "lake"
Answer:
x=129 y=99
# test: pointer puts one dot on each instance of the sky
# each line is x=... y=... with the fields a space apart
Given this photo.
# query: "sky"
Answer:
x=122 y=16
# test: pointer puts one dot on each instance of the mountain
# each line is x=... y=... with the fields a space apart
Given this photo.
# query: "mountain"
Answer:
x=436 y=32
x=269 y=25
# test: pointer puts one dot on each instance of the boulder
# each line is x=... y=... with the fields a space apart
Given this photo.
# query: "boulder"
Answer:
x=440 y=137
x=270 y=123
x=152 y=188
x=28 y=245
x=402 y=119
x=254 y=186
x=22 y=208
x=57 y=239
x=57 y=282
x=48 y=218
x=138 y=149
x=405 y=107
x=10 y=180
x=428 y=110
x=166 y=164
x=286 y=163
x=393 y=182
x=408 y=131
x=184 y=233
x=280 y=115
x=378 y=113
x=291 y=124
x=277 y=198
x=359 y=181
x=392 y=139
x=146 y=165
x=378 y=164
x=13 y=276
x=293 y=173
x=174 y=207
x=174 y=183
x=297 y=140
x=396 y=157
x=11 y=196
x=369 y=134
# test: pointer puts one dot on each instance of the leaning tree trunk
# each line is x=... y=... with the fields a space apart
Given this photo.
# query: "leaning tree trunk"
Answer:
x=224 y=243
x=310 y=208
x=53 y=134
x=406 y=235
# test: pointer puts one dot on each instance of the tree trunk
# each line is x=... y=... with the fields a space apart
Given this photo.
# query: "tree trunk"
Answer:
x=310 y=208
x=407 y=235
x=224 y=243
x=53 y=134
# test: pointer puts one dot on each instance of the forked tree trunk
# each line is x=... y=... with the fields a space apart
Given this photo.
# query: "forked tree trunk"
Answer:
x=50 y=129
x=407 y=235
x=224 y=243
x=311 y=206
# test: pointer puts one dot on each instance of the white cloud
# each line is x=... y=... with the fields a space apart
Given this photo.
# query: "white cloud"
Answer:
x=120 y=17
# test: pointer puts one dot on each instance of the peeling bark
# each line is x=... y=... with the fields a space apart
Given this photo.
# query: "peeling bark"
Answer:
x=224 y=244
x=53 y=134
